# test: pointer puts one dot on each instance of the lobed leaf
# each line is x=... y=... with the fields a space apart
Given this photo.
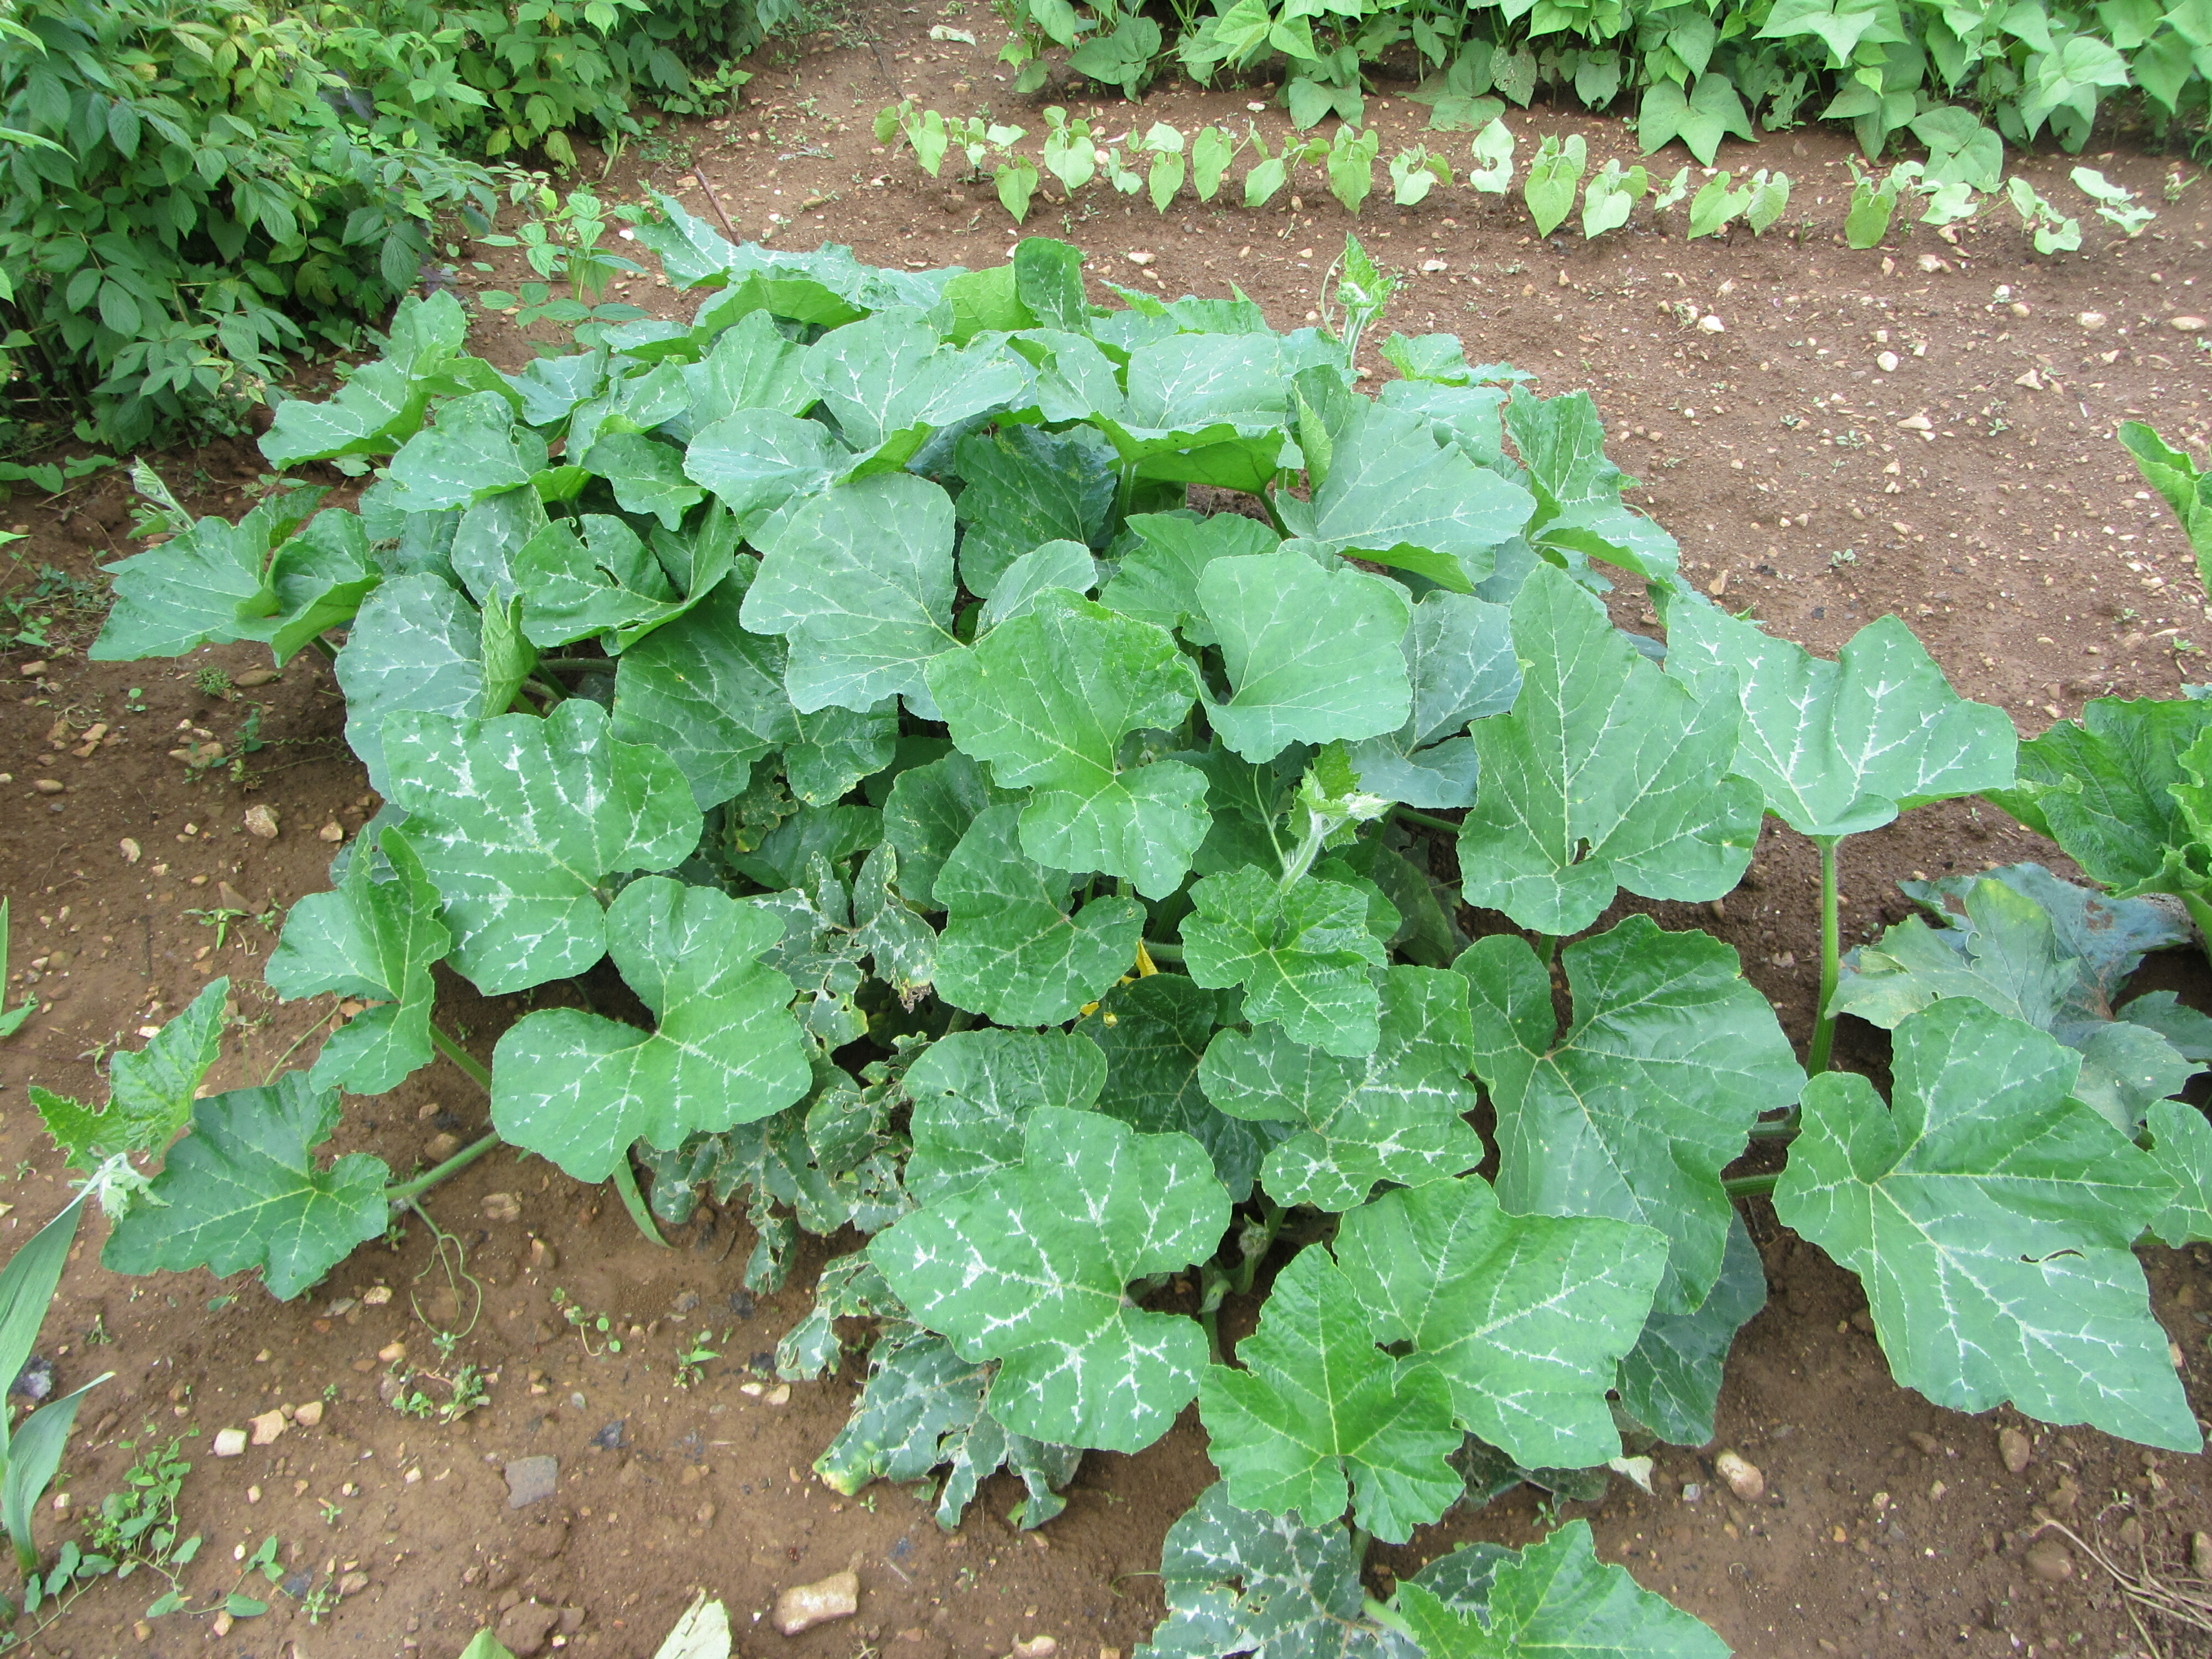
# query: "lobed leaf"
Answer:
x=1305 y=955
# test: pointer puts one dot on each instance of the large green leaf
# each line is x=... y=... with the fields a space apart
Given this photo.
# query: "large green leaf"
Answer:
x=2181 y=1142
x=889 y=381
x=707 y=692
x=1010 y=950
x=1153 y=1031
x=381 y=404
x=474 y=450
x=1046 y=699
x=1556 y=1600
x=750 y=366
x=1458 y=656
x=1990 y=1218
x=1158 y=581
x=1031 y=1267
x=1840 y=746
x=375 y=940
x=150 y=1092
x=860 y=581
x=519 y=821
x=1526 y=1316
x=646 y=476
x=243 y=1190
x=2004 y=951
x=1240 y=1581
x=1314 y=1400
x=929 y=808
x=1396 y=1115
x=578 y=1088
x=1304 y=955
x=1670 y=1381
x=1606 y=775
x=1025 y=487
x=210 y=585
x=2103 y=790
x=1312 y=655
x=759 y=460
x=1634 y=1110
x=417 y=644
x=1395 y=492
x=1202 y=408
x=28 y=1284
x=973 y=1092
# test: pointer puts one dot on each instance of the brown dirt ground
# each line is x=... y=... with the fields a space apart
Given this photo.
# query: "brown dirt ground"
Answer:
x=2013 y=535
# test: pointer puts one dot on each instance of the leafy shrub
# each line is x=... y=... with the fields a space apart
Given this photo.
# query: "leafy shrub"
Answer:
x=1697 y=74
x=196 y=190
x=1046 y=879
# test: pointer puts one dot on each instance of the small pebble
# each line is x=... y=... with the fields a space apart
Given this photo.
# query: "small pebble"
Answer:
x=2092 y=320
x=1037 y=1647
x=2186 y=325
x=261 y=823
x=1743 y=1476
x=309 y=1414
x=331 y=833
x=48 y=785
x=2049 y=1561
x=131 y=851
x=229 y=1443
x=2015 y=1448
x=255 y=676
x=805 y=1606
x=1889 y=362
x=31 y=670
x=267 y=1426
x=502 y=1207
x=376 y=1295
x=2200 y=1554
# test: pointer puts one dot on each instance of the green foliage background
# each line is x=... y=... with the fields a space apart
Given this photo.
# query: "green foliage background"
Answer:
x=196 y=187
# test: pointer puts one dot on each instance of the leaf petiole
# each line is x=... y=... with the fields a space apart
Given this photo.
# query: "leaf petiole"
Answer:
x=1751 y=1186
x=463 y=1061
x=408 y=1191
x=1424 y=820
x=1389 y=1617
x=1824 y=1023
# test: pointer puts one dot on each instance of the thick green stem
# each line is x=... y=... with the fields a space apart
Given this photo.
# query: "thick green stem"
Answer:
x=1823 y=1022
x=1425 y=820
x=1163 y=952
x=407 y=1190
x=1256 y=1245
x=1547 y=947
x=581 y=665
x=1751 y=1186
x=461 y=1058
x=634 y=1201
x=1362 y=1541
x=330 y=651
x=1210 y=1323
x=1782 y=1128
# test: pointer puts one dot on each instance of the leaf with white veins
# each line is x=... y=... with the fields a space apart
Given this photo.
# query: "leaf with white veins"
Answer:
x=578 y=1088
x=1032 y=1265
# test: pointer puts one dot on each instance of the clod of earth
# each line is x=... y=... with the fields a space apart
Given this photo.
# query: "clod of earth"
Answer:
x=805 y=1606
x=530 y=1479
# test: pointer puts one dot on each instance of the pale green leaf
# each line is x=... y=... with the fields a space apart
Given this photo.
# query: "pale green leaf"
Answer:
x=1027 y=486
x=1526 y=1316
x=519 y=821
x=1635 y=1109
x=1670 y=1381
x=1606 y=775
x=1990 y=1218
x=1031 y=1267
x=1046 y=700
x=2181 y=1143
x=1304 y=956
x=243 y=1190
x=1313 y=1402
x=707 y=692
x=973 y=1092
x=1158 y=581
x=860 y=581
x=578 y=1088
x=1010 y=950
x=417 y=645
x=374 y=941
x=1312 y=655
x=1396 y=1115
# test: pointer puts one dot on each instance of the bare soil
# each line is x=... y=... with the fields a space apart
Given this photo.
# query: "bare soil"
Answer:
x=2002 y=523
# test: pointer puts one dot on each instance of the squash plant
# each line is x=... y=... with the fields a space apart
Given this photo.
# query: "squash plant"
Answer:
x=1050 y=880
